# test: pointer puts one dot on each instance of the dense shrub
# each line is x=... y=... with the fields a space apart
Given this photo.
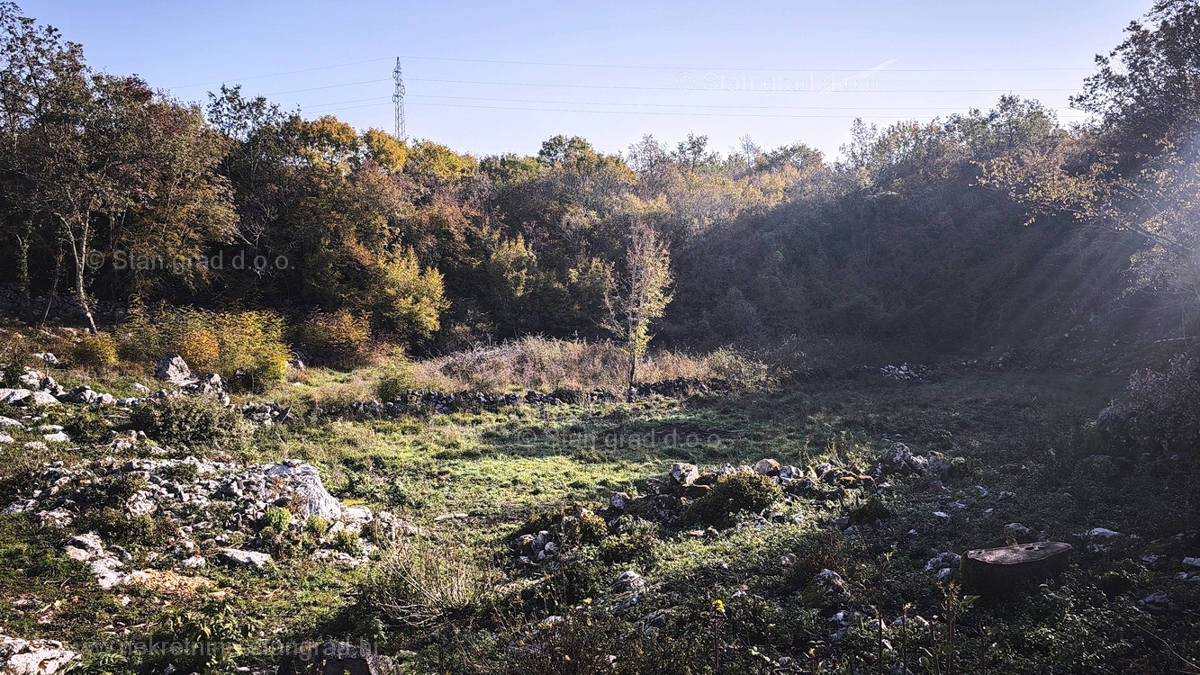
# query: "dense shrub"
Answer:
x=736 y=370
x=339 y=338
x=1161 y=410
x=397 y=378
x=193 y=422
x=732 y=494
x=96 y=352
x=246 y=348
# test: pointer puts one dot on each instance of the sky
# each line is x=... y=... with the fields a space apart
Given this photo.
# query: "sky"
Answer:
x=494 y=77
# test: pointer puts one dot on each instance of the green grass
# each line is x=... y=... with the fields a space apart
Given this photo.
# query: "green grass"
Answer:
x=1018 y=432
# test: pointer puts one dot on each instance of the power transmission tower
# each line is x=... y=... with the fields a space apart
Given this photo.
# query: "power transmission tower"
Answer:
x=398 y=99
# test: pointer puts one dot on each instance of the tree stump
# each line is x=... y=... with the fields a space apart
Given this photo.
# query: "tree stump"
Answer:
x=996 y=570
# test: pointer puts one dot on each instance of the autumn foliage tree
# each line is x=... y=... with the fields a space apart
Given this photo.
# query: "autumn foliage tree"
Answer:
x=638 y=293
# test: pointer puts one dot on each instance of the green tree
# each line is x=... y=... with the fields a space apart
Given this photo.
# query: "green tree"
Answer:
x=639 y=293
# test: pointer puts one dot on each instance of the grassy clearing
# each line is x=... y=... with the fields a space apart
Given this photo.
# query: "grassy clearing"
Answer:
x=734 y=601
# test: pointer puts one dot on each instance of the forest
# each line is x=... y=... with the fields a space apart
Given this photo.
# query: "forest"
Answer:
x=996 y=227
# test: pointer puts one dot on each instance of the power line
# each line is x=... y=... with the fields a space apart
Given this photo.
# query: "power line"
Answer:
x=755 y=69
x=648 y=112
x=690 y=105
x=624 y=66
x=289 y=72
x=757 y=91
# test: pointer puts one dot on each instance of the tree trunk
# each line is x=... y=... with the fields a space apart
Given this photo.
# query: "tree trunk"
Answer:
x=79 y=251
x=633 y=359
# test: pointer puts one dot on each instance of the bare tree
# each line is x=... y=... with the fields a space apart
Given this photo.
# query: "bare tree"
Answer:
x=639 y=293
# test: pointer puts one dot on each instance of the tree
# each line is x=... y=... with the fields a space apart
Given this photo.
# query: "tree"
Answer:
x=1136 y=171
x=638 y=294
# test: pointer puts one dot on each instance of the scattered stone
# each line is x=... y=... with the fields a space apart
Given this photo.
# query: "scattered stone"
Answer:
x=173 y=369
x=1191 y=562
x=41 y=398
x=242 y=558
x=1102 y=533
x=83 y=395
x=826 y=585
x=997 y=570
x=334 y=658
x=212 y=386
x=683 y=474
x=942 y=516
x=49 y=358
x=193 y=563
x=57 y=437
x=6 y=439
x=21 y=506
x=1018 y=531
x=10 y=422
x=629 y=581
x=767 y=467
x=304 y=480
x=1157 y=603
x=90 y=545
x=140 y=388
x=36 y=657
x=14 y=396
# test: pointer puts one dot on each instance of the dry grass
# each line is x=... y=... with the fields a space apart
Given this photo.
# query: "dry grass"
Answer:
x=545 y=364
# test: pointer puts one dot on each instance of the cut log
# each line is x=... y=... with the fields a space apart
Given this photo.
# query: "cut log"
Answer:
x=997 y=570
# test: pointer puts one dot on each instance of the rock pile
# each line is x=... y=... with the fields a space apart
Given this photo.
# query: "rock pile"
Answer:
x=33 y=657
x=215 y=507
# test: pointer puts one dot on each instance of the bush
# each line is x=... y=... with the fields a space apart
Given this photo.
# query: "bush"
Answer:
x=422 y=583
x=316 y=526
x=1161 y=410
x=98 y=352
x=732 y=494
x=245 y=348
x=86 y=426
x=340 y=339
x=396 y=380
x=347 y=541
x=193 y=422
x=276 y=518
x=14 y=358
x=736 y=370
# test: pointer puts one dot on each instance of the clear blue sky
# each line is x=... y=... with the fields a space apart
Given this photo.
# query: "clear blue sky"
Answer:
x=489 y=77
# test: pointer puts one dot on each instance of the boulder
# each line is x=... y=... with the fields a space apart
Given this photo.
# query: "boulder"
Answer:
x=41 y=398
x=997 y=570
x=173 y=369
x=683 y=474
x=303 y=480
x=334 y=658
x=629 y=581
x=49 y=358
x=767 y=467
x=83 y=395
x=12 y=396
x=242 y=558
x=33 y=657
